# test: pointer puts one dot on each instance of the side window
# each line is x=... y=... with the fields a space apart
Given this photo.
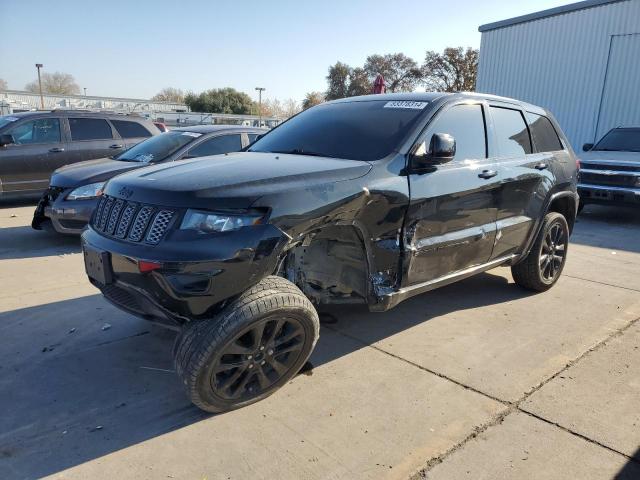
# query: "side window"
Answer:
x=89 y=129
x=545 y=138
x=511 y=132
x=44 y=130
x=466 y=124
x=217 y=146
x=130 y=129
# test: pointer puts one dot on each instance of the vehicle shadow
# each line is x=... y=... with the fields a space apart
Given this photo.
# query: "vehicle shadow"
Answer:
x=25 y=242
x=631 y=469
x=75 y=390
x=614 y=228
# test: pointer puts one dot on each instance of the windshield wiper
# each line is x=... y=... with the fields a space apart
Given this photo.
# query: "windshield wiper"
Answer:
x=300 y=151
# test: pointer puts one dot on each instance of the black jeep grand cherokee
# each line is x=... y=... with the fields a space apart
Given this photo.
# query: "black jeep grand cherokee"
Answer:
x=368 y=199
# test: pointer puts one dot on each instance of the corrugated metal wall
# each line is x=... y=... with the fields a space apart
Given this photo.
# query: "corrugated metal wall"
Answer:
x=560 y=63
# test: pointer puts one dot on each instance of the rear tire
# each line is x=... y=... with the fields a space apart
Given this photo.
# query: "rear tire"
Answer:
x=250 y=349
x=542 y=267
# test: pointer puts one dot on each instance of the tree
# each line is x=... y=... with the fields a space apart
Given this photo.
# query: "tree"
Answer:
x=57 y=83
x=220 y=100
x=453 y=71
x=169 y=94
x=290 y=107
x=401 y=73
x=3 y=84
x=312 y=99
x=359 y=83
x=338 y=81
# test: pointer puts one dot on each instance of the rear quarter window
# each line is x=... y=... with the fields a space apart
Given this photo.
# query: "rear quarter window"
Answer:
x=510 y=131
x=545 y=138
x=128 y=129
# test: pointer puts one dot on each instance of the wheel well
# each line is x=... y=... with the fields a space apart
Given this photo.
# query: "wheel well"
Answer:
x=567 y=207
x=329 y=266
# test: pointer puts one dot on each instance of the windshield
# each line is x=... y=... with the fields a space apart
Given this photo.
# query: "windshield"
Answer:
x=620 y=140
x=6 y=120
x=362 y=130
x=159 y=147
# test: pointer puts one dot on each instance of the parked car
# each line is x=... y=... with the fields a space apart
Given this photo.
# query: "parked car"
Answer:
x=610 y=169
x=34 y=144
x=74 y=190
x=368 y=200
x=161 y=126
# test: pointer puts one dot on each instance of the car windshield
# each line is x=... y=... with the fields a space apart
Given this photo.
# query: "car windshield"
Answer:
x=359 y=130
x=6 y=120
x=159 y=147
x=620 y=140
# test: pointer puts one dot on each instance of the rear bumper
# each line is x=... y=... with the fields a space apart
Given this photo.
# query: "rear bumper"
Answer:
x=608 y=195
x=64 y=216
x=195 y=277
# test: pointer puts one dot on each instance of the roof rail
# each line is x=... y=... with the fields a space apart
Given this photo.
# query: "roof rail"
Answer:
x=96 y=110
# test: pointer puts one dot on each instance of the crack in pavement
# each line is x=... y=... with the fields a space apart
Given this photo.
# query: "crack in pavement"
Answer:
x=511 y=406
x=601 y=283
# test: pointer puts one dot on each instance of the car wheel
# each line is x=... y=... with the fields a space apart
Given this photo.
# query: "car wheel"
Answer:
x=250 y=349
x=542 y=267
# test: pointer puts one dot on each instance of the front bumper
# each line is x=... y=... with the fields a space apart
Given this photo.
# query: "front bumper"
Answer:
x=608 y=195
x=197 y=273
x=64 y=216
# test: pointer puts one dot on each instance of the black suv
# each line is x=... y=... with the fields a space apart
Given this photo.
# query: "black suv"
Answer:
x=34 y=144
x=368 y=200
x=73 y=193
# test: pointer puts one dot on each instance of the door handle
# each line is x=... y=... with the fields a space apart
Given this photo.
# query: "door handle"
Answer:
x=541 y=166
x=56 y=150
x=115 y=146
x=487 y=174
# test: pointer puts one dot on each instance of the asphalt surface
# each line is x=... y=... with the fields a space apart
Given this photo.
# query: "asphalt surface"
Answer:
x=478 y=380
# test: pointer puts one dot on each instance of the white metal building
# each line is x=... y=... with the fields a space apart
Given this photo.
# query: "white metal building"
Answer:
x=581 y=61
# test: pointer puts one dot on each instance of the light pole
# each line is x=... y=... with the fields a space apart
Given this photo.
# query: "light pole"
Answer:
x=39 y=66
x=260 y=90
x=85 y=91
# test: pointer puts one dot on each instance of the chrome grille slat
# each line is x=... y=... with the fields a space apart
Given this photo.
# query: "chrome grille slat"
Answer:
x=113 y=218
x=131 y=221
x=125 y=220
x=159 y=226
x=140 y=224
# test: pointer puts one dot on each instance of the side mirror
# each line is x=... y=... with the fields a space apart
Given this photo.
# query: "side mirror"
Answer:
x=6 y=139
x=587 y=146
x=442 y=149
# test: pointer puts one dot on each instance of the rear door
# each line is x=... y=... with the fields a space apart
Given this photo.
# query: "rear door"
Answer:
x=450 y=224
x=131 y=132
x=26 y=165
x=218 y=145
x=525 y=176
x=90 y=138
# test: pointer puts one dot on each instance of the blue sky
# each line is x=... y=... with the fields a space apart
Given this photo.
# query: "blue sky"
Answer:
x=134 y=48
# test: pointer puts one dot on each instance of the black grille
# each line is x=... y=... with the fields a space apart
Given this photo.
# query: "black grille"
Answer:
x=619 y=168
x=613 y=180
x=131 y=221
x=121 y=297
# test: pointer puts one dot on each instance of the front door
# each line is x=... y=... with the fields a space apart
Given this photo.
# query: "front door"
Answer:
x=25 y=165
x=450 y=224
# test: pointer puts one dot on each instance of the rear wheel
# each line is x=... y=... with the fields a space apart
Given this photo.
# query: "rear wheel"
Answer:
x=249 y=350
x=542 y=267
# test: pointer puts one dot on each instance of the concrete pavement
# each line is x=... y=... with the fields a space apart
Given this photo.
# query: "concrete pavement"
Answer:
x=479 y=379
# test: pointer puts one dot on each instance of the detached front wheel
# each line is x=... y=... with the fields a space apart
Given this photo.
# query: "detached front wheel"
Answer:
x=248 y=351
x=542 y=267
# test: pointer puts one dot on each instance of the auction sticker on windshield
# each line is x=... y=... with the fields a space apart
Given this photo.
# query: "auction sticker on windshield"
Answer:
x=406 y=104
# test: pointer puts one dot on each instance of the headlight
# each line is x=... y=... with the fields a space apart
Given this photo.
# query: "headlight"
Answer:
x=207 y=222
x=92 y=190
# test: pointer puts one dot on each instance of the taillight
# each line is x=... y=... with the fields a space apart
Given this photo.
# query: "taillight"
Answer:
x=577 y=163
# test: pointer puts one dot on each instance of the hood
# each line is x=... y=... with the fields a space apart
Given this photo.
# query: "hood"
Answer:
x=234 y=180
x=90 y=171
x=610 y=158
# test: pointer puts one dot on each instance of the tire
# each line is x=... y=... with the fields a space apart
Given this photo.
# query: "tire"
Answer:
x=542 y=267
x=250 y=349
